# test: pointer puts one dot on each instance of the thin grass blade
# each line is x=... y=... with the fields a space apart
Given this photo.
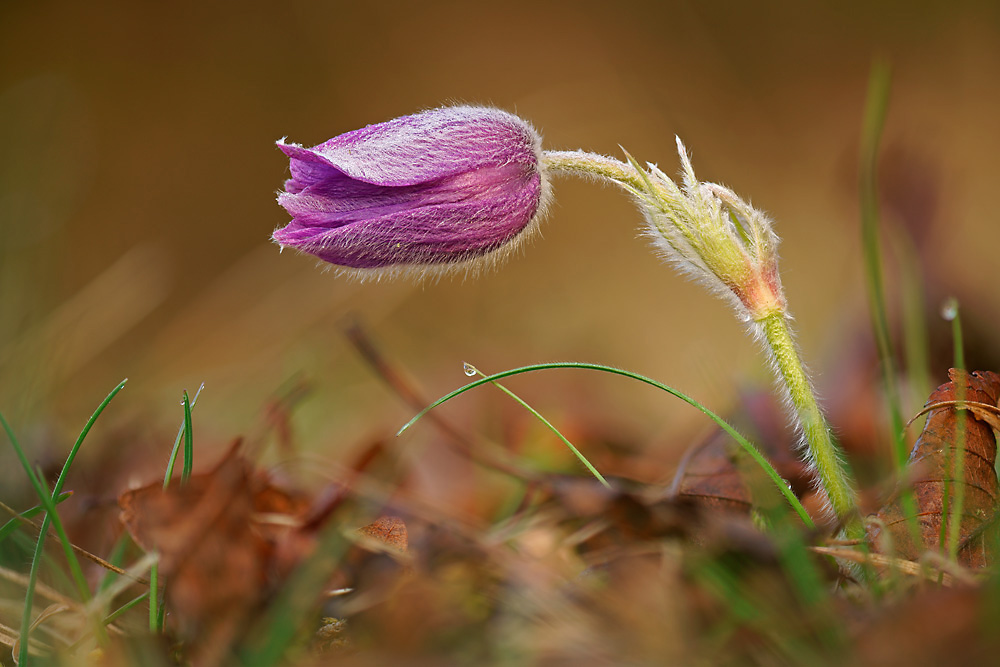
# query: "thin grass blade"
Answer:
x=181 y=433
x=583 y=459
x=747 y=446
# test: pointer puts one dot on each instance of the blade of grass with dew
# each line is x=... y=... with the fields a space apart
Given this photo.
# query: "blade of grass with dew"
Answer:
x=188 y=440
x=954 y=516
x=186 y=431
x=61 y=480
x=51 y=517
x=747 y=446
x=951 y=313
x=472 y=370
x=182 y=432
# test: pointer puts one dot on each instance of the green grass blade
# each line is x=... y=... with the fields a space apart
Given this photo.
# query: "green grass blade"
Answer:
x=154 y=583
x=29 y=594
x=186 y=432
x=52 y=518
x=953 y=503
x=874 y=120
x=116 y=557
x=37 y=557
x=182 y=432
x=18 y=520
x=876 y=108
x=57 y=489
x=67 y=546
x=110 y=618
x=161 y=616
x=546 y=422
x=950 y=313
x=747 y=446
x=188 y=440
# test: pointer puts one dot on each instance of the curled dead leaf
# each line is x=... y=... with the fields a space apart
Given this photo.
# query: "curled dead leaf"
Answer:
x=930 y=463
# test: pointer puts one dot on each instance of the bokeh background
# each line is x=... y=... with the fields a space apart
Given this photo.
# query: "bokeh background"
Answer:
x=138 y=173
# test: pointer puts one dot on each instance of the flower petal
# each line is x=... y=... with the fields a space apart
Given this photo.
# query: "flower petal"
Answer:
x=436 y=188
x=422 y=147
x=442 y=233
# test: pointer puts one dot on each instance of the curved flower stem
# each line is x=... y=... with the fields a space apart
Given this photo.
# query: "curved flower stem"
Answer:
x=696 y=222
x=594 y=164
x=823 y=451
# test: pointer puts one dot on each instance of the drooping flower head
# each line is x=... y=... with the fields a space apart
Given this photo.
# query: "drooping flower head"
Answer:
x=432 y=190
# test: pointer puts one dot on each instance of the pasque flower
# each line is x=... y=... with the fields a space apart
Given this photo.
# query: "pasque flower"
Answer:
x=431 y=190
x=447 y=186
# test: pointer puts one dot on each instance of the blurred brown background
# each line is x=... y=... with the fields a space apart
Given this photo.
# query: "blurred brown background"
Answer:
x=138 y=173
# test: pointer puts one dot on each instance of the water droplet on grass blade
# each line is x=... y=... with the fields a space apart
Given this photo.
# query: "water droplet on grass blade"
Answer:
x=469 y=369
x=949 y=310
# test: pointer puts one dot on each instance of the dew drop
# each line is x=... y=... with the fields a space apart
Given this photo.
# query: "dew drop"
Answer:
x=469 y=369
x=949 y=310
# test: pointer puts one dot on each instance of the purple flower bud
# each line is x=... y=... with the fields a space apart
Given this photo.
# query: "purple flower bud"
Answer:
x=437 y=188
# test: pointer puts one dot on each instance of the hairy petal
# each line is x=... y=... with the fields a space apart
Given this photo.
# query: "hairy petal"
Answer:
x=437 y=188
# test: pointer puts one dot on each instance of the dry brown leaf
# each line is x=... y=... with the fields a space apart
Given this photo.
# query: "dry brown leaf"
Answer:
x=712 y=478
x=227 y=540
x=930 y=462
x=717 y=475
x=389 y=530
x=214 y=553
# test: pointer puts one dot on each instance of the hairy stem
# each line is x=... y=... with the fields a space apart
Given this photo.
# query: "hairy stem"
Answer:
x=730 y=263
x=593 y=164
x=823 y=451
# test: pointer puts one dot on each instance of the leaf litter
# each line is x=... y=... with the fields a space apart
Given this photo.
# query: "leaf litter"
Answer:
x=575 y=573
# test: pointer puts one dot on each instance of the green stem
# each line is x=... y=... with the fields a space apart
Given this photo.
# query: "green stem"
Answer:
x=956 y=498
x=593 y=164
x=825 y=454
